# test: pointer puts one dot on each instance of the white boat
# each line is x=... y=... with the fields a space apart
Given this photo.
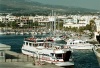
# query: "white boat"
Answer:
x=46 y=51
x=53 y=38
x=79 y=44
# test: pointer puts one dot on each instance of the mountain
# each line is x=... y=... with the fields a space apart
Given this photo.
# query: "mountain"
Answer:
x=29 y=6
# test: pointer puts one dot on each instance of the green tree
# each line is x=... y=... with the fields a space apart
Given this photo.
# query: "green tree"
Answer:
x=2 y=24
x=92 y=25
x=14 y=25
x=61 y=25
x=88 y=27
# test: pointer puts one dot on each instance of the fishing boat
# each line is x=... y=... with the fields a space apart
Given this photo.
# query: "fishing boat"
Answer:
x=79 y=44
x=46 y=51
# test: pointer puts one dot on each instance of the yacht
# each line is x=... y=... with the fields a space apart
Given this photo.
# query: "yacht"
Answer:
x=78 y=44
x=46 y=51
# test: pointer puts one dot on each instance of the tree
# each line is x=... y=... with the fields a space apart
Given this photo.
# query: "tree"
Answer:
x=61 y=25
x=88 y=27
x=81 y=29
x=2 y=24
x=14 y=25
x=92 y=25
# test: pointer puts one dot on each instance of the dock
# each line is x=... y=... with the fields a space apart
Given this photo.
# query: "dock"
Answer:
x=17 y=57
x=13 y=59
x=21 y=60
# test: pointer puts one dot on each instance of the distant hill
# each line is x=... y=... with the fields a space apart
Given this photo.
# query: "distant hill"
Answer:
x=29 y=6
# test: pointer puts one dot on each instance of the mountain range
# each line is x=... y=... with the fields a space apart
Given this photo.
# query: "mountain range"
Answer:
x=29 y=6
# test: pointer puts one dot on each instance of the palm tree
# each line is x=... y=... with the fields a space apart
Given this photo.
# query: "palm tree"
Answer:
x=92 y=25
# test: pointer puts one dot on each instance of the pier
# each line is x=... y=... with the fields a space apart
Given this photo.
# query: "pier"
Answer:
x=13 y=59
x=20 y=60
x=17 y=57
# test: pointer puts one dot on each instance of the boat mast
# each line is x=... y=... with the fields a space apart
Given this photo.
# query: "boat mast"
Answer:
x=54 y=24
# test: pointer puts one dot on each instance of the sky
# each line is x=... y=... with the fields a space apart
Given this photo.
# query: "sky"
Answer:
x=91 y=4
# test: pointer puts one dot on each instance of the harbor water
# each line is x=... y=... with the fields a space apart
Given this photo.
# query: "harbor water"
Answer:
x=82 y=58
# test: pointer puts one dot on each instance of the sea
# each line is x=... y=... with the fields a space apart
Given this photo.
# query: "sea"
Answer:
x=82 y=58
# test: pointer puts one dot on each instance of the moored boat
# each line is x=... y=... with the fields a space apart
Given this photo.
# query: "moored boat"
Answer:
x=46 y=51
x=54 y=38
x=79 y=44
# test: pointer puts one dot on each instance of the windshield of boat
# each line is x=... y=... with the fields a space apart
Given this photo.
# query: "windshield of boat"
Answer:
x=59 y=56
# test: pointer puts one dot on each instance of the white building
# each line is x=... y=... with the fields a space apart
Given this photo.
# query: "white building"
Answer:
x=10 y=18
x=7 y=18
x=2 y=18
x=97 y=22
x=78 y=20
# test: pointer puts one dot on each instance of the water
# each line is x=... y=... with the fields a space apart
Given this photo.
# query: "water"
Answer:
x=85 y=59
x=82 y=58
x=15 y=41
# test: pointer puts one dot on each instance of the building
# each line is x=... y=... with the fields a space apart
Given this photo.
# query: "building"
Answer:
x=78 y=20
x=97 y=23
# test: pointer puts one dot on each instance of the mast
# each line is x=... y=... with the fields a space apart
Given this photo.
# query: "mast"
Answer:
x=51 y=23
x=54 y=24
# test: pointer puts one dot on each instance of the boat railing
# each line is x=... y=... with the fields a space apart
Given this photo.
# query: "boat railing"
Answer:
x=29 y=39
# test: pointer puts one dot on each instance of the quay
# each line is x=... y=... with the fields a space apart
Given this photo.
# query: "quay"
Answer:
x=3 y=48
x=17 y=57
x=10 y=59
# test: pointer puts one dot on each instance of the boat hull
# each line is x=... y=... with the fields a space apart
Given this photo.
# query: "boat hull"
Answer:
x=82 y=47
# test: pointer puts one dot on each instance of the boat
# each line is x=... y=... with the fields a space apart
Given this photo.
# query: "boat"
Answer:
x=96 y=50
x=46 y=51
x=54 y=38
x=79 y=44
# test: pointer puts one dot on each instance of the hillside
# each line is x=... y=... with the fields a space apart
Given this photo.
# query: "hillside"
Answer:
x=29 y=6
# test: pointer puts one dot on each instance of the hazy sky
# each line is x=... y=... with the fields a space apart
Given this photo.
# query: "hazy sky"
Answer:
x=92 y=4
